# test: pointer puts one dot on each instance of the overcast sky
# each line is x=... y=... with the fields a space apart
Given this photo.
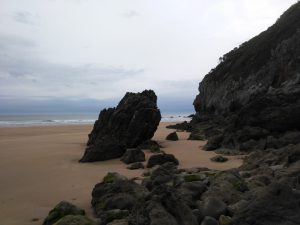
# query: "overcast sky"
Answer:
x=99 y=49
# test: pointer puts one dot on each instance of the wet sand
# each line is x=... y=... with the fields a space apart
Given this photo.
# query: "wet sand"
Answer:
x=39 y=167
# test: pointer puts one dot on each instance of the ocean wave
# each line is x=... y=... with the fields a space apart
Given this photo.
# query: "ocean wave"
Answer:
x=44 y=123
x=48 y=120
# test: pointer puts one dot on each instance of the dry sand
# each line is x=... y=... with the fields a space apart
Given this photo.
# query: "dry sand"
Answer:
x=39 y=167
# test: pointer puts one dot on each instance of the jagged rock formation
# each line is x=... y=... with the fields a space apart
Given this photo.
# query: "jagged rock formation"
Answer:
x=130 y=124
x=251 y=99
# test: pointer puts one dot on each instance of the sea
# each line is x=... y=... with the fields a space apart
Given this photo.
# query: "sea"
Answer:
x=29 y=120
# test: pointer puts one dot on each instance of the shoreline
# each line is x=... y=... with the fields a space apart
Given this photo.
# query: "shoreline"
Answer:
x=39 y=168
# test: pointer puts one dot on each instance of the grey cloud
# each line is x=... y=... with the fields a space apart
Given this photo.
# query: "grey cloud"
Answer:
x=11 y=41
x=17 y=64
x=24 y=17
x=130 y=14
x=20 y=65
x=29 y=68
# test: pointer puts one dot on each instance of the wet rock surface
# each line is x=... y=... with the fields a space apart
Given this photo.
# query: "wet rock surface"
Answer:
x=130 y=124
x=61 y=210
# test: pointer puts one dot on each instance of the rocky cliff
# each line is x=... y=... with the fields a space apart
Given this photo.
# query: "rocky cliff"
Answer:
x=252 y=98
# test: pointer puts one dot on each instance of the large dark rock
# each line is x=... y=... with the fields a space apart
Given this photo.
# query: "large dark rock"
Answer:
x=75 y=220
x=277 y=204
x=133 y=155
x=228 y=186
x=209 y=221
x=132 y=122
x=219 y=158
x=115 y=194
x=61 y=210
x=213 y=207
x=107 y=148
x=254 y=92
x=163 y=206
x=160 y=159
x=172 y=136
x=161 y=174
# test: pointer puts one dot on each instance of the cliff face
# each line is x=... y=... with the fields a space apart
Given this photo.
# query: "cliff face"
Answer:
x=255 y=86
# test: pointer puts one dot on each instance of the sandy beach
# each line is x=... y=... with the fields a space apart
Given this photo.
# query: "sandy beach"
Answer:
x=39 y=167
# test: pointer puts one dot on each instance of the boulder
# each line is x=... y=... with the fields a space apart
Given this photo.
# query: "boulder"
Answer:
x=112 y=177
x=213 y=207
x=225 y=220
x=120 y=194
x=209 y=221
x=193 y=189
x=161 y=174
x=75 y=220
x=172 y=137
x=160 y=159
x=60 y=210
x=184 y=126
x=133 y=155
x=191 y=192
x=276 y=204
x=213 y=143
x=113 y=214
x=219 y=158
x=131 y=123
x=163 y=205
x=149 y=144
x=228 y=186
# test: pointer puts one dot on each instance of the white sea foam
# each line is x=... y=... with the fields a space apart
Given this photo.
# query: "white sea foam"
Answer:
x=70 y=119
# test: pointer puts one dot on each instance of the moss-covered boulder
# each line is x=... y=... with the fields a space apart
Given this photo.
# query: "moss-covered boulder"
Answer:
x=75 y=220
x=113 y=177
x=113 y=214
x=61 y=210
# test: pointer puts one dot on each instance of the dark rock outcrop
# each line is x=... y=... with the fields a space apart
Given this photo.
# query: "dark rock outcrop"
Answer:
x=209 y=221
x=219 y=158
x=172 y=136
x=75 y=220
x=163 y=205
x=160 y=159
x=132 y=122
x=161 y=174
x=213 y=207
x=151 y=145
x=133 y=155
x=251 y=98
x=61 y=210
x=276 y=204
x=118 y=194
